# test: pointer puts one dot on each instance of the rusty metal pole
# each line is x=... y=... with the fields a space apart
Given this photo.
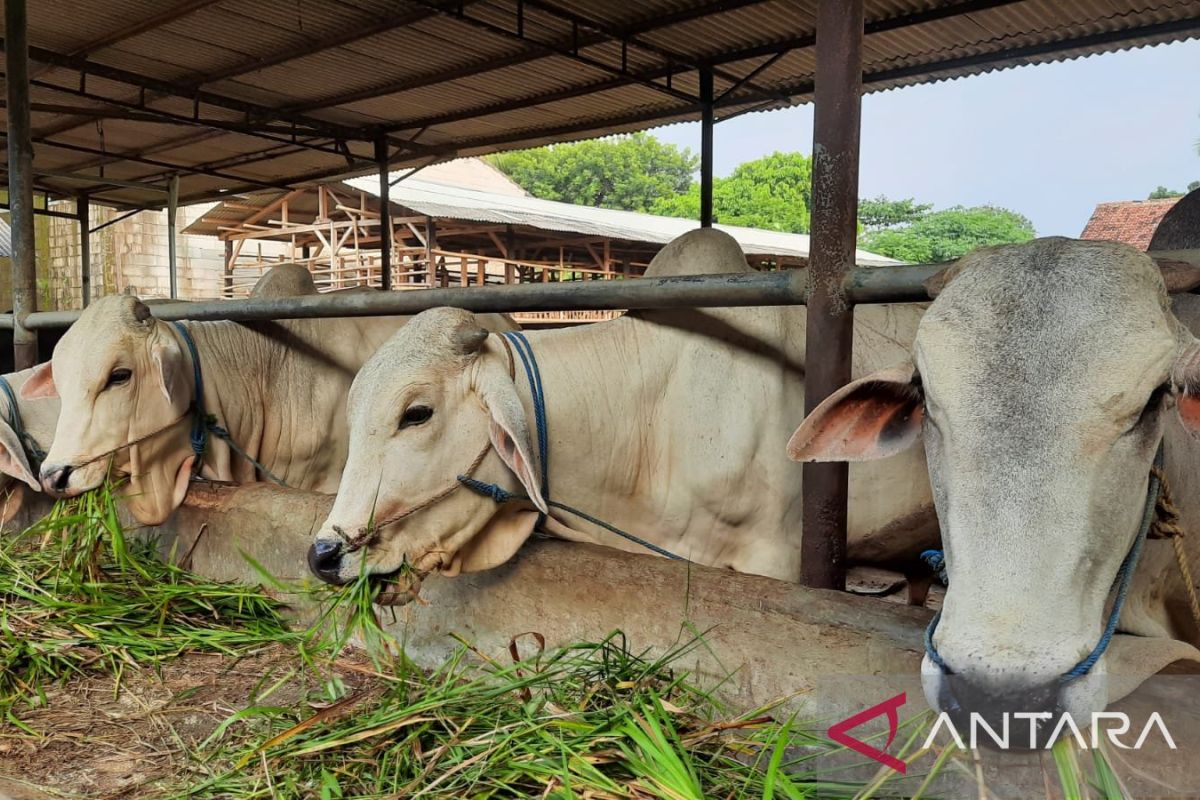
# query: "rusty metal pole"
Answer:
x=706 y=147
x=172 y=249
x=20 y=182
x=83 y=208
x=385 y=214
x=830 y=331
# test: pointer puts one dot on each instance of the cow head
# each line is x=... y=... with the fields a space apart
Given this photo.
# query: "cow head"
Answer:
x=436 y=400
x=125 y=386
x=1041 y=379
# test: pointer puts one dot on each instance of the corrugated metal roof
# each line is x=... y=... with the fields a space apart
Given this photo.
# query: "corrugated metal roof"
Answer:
x=143 y=89
x=443 y=201
x=5 y=240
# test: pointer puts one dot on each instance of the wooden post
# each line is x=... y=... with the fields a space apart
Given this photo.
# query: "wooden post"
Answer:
x=20 y=182
x=830 y=326
x=430 y=246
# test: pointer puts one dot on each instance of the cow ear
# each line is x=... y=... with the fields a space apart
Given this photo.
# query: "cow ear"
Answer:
x=40 y=383
x=171 y=370
x=509 y=433
x=873 y=417
x=13 y=461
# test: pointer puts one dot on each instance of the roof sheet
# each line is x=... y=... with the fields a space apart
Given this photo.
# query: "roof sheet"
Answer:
x=1129 y=221
x=5 y=240
x=240 y=95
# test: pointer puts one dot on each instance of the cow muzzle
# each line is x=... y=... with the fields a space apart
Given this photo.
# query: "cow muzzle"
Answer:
x=57 y=480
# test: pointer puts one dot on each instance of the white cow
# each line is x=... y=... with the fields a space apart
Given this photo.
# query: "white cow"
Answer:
x=665 y=424
x=126 y=381
x=39 y=417
x=1042 y=380
x=18 y=455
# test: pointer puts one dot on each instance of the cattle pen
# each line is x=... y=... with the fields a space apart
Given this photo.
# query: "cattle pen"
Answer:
x=141 y=105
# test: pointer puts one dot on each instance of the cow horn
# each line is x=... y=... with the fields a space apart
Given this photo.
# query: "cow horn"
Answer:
x=469 y=337
x=1180 y=269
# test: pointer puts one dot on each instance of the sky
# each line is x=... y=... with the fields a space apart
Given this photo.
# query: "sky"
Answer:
x=1050 y=141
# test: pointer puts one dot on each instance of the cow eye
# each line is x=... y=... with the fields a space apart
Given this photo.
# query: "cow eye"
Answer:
x=118 y=377
x=415 y=415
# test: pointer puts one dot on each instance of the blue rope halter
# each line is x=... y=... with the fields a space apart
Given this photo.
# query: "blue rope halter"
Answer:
x=203 y=424
x=500 y=495
x=936 y=560
x=33 y=452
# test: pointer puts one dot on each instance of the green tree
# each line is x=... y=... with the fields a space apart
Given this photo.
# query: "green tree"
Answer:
x=883 y=213
x=629 y=172
x=1163 y=193
x=773 y=192
x=945 y=235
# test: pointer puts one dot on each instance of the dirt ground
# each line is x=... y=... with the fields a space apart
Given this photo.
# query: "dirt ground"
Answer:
x=100 y=743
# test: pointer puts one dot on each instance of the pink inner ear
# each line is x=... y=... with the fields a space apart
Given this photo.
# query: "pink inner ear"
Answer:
x=874 y=420
x=1189 y=411
x=40 y=384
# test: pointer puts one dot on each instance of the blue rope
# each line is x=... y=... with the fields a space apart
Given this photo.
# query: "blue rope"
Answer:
x=203 y=424
x=33 y=452
x=534 y=376
x=501 y=495
x=936 y=561
x=1123 y=580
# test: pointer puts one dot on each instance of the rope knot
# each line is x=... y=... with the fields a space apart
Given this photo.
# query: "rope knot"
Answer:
x=936 y=561
x=498 y=494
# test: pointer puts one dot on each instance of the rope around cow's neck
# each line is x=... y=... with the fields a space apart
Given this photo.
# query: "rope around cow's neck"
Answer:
x=497 y=493
x=33 y=451
x=1122 y=582
x=202 y=423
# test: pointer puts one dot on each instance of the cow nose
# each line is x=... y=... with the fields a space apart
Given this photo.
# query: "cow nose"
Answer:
x=963 y=699
x=55 y=478
x=325 y=560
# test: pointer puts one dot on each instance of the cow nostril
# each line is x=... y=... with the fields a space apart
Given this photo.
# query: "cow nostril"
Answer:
x=325 y=559
x=56 y=479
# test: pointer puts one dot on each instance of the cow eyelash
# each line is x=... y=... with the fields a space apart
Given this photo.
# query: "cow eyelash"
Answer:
x=118 y=377
x=414 y=416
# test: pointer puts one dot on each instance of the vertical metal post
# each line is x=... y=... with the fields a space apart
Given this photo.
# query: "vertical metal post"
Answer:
x=385 y=214
x=706 y=147
x=20 y=182
x=830 y=327
x=229 y=267
x=172 y=255
x=83 y=211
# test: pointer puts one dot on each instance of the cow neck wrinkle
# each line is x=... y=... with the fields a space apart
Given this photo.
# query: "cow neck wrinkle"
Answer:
x=581 y=369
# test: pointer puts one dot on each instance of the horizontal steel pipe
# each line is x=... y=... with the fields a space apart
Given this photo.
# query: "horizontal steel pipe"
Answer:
x=6 y=322
x=785 y=287
x=756 y=289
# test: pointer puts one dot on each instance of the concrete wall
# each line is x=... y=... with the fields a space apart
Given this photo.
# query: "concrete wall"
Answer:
x=131 y=256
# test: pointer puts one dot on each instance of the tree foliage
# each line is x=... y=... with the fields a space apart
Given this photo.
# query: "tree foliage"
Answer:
x=773 y=192
x=883 y=213
x=1163 y=193
x=945 y=235
x=629 y=172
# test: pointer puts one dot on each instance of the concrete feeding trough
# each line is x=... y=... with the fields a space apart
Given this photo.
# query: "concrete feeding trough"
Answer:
x=826 y=654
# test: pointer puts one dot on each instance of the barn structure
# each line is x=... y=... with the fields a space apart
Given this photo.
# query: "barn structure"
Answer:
x=139 y=104
x=143 y=104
